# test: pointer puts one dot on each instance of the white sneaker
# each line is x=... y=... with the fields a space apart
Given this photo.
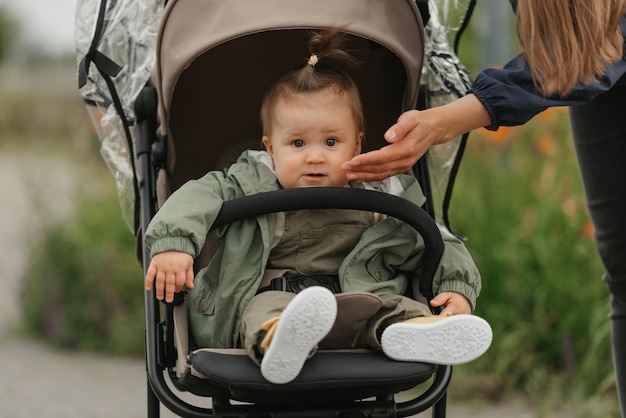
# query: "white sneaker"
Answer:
x=303 y=324
x=451 y=340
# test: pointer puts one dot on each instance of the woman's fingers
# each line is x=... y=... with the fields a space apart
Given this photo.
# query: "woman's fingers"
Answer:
x=379 y=164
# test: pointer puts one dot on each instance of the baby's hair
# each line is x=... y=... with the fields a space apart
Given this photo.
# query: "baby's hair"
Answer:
x=329 y=64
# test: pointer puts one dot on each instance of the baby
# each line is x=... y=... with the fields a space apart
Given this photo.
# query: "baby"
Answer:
x=313 y=123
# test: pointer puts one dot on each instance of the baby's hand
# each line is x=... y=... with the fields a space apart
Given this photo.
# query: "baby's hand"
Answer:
x=453 y=302
x=169 y=272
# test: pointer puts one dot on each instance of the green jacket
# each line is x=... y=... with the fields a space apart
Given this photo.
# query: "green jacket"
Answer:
x=223 y=289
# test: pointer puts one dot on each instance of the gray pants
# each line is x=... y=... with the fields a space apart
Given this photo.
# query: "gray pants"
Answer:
x=362 y=330
x=599 y=131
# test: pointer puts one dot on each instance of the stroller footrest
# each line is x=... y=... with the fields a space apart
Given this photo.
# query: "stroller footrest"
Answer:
x=330 y=376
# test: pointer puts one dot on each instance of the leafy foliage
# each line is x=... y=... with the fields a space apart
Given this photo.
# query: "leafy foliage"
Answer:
x=84 y=286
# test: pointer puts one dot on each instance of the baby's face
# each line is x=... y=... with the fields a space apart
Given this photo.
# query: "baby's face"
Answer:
x=310 y=137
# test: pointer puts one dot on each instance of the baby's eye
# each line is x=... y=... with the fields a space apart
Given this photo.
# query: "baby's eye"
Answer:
x=297 y=143
x=331 y=142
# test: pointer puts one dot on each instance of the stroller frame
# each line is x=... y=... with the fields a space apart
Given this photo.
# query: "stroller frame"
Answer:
x=160 y=351
x=153 y=115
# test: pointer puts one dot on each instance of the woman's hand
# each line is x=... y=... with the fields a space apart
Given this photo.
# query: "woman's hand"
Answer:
x=413 y=134
x=408 y=140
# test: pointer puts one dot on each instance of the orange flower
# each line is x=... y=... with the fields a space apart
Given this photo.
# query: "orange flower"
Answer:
x=501 y=136
x=550 y=114
x=588 y=230
x=546 y=145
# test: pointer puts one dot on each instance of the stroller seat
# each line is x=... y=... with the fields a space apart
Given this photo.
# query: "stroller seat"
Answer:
x=329 y=377
x=332 y=375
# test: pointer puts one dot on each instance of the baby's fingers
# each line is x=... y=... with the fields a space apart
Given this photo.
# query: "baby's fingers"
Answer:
x=174 y=283
x=171 y=286
x=190 y=277
x=150 y=276
x=159 y=285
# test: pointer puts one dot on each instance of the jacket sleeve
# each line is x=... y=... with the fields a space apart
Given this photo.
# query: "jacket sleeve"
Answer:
x=457 y=271
x=511 y=98
x=183 y=222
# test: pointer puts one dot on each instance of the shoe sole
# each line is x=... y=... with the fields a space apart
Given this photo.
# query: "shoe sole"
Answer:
x=454 y=340
x=306 y=320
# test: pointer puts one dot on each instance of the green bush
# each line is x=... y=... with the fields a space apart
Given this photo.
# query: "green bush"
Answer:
x=520 y=201
x=84 y=286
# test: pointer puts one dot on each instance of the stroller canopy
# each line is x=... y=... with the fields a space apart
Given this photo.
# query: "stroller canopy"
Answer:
x=216 y=60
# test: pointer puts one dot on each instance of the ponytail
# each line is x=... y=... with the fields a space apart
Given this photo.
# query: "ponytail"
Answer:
x=329 y=64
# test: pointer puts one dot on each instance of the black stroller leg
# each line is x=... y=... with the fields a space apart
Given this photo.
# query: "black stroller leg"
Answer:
x=439 y=409
x=153 y=402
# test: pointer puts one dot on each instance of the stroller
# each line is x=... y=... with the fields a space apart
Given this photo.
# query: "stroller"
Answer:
x=197 y=112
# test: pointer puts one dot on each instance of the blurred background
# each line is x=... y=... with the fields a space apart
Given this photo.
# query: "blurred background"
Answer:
x=72 y=303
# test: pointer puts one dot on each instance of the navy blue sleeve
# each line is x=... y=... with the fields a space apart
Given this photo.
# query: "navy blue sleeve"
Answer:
x=511 y=98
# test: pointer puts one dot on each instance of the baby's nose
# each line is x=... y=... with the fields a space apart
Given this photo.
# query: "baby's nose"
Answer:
x=315 y=156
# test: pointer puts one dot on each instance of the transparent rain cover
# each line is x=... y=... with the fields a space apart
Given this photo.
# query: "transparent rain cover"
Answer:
x=128 y=38
x=446 y=79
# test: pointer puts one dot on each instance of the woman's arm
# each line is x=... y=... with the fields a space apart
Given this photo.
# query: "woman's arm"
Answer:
x=511 y=98
x=500 y=96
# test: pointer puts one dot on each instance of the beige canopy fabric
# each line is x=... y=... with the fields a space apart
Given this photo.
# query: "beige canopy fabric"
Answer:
x=216 y=59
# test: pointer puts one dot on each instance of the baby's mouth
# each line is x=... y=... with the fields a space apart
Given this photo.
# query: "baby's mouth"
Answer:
x=315 y=178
